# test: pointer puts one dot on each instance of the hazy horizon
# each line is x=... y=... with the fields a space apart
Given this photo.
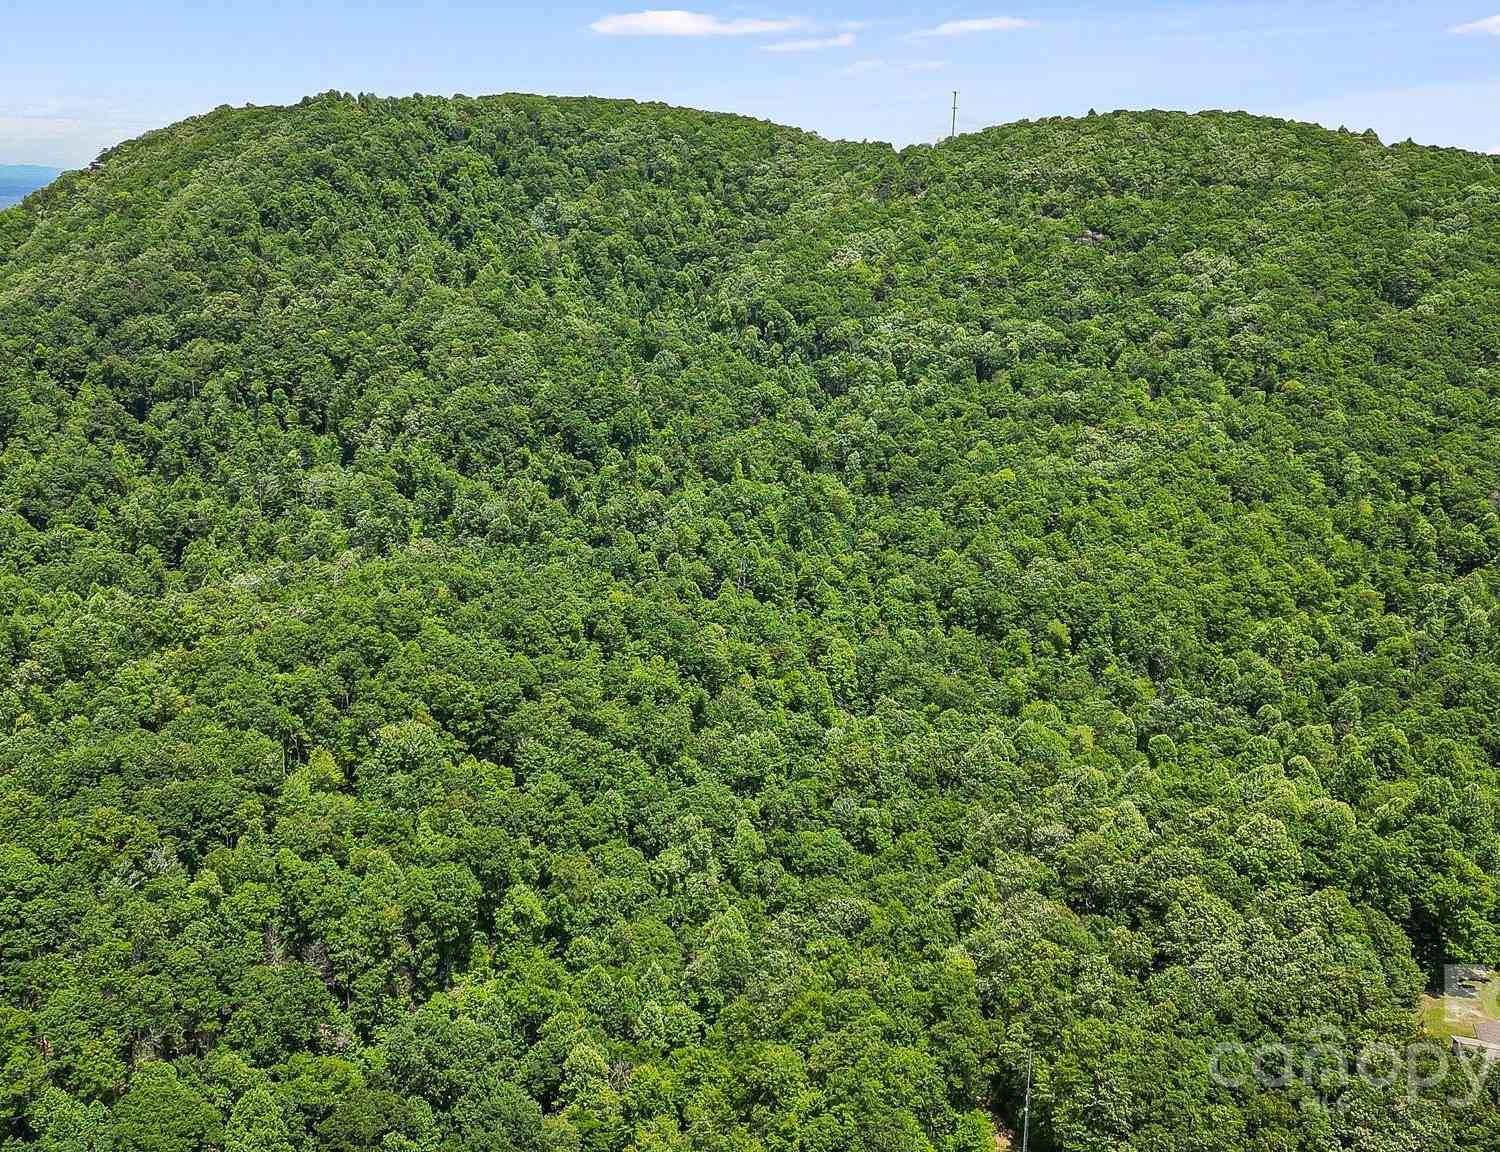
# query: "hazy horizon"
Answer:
x=869 y=71
x=54 y=170
x=17 y=181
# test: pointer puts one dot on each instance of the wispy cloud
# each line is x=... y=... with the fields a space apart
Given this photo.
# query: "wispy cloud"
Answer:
x=864 y=67
x=1490 y=24
x=677 y=22
x=69 y=134
x=815 y=44
x=982 y=24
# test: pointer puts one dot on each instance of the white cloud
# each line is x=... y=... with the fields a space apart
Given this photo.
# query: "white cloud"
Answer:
x=1490 y=24
x=69 y=135
x=676 y=22
x=863 y=67
x=983 y=24
x=842 y=40
x=29 y=129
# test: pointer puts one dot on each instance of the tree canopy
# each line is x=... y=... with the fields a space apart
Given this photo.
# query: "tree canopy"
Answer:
x=571 y=625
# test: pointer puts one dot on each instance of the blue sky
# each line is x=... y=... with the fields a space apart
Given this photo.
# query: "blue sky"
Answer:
x=79 y=75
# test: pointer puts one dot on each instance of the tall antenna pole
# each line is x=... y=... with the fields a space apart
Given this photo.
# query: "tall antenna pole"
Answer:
x=953 y=123
x=1026 y=1111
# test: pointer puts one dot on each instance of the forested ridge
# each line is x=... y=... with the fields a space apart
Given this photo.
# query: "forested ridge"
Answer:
x=565 y=624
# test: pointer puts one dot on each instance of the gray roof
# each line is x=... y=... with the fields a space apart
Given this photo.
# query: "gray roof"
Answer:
x=1470 y=1044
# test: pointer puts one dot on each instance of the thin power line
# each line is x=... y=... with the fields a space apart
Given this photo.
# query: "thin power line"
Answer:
x=1026 y=1111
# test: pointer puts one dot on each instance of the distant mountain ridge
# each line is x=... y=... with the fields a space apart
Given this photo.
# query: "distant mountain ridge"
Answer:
x=17 y=181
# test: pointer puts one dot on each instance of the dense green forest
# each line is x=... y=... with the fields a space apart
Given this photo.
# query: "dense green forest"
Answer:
x=574 y=625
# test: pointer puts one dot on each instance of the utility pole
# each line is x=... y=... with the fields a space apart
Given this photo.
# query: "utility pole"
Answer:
x=953 y=123
x=1026 y=1110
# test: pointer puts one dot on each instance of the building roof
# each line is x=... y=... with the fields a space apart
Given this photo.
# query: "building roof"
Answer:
x=1488 y=1031
x=1490 y=1050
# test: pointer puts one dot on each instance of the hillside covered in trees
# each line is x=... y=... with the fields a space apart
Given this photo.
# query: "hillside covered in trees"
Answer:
x=569 y=625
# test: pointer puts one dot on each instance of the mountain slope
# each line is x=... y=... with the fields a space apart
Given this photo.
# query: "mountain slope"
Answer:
x=563 y=623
